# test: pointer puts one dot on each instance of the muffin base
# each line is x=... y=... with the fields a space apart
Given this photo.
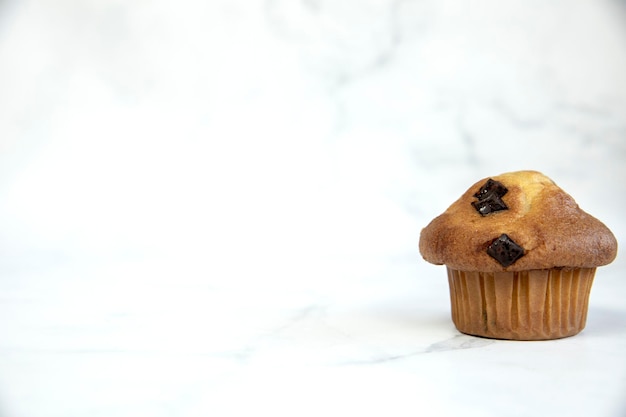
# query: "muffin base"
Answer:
x=540 y=304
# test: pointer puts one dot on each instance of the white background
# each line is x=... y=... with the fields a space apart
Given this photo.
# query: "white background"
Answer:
x=213 y=208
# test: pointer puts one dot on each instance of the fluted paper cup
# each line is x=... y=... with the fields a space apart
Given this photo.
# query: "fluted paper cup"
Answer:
x=527 y=305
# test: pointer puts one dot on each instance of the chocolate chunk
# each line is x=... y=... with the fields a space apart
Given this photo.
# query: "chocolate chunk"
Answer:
x=491 y=187
x=505 y=250
x=489 y=204
x=490 y=197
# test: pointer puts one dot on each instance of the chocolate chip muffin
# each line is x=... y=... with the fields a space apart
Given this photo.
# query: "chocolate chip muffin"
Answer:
x=521 y=257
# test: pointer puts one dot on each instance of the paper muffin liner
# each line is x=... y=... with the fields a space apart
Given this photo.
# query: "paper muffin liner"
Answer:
x=527 y=305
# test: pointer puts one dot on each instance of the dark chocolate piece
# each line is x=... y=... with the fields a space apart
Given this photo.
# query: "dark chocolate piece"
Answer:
x=491 y=186
x=489 y=205
x=490 y=197
x=505 y=250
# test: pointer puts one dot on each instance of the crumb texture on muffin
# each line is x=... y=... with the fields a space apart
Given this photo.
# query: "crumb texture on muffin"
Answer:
x=539 y=216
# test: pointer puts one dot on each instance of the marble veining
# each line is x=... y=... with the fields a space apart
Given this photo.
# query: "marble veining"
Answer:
x=213 y=208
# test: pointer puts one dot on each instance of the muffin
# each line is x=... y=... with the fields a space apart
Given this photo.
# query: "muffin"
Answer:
x=521 y=257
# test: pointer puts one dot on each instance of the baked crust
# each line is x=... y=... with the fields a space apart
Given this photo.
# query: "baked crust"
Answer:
x=541 y=217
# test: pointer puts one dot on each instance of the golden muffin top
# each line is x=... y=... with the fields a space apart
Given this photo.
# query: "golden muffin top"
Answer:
x=516 y=221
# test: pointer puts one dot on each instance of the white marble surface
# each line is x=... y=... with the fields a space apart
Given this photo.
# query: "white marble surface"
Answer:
x=213 y=208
